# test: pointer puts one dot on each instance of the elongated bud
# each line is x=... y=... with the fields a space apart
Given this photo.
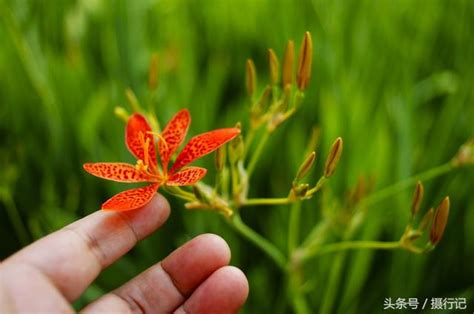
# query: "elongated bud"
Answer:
x=417 y=198
x=286 y=99
x=426 y=221
x=304 y=62
x=264 y=100
x=274 y=66
x=439 y=222
x=251 y=77
x=132 y=100
x=305 y=166
x=121 y=113
x=220 y=158
x=465 y=155
x=260 y=106
x=153 y=72
x=236 y=149
x=288 y=61
x=333 y=158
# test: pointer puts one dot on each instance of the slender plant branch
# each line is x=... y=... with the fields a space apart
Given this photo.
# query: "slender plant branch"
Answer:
x=349 y=245
x=258 y=151
x=333 y=283
x=317 y=234
x=293 y=227
x=266 y=201
x=269 y=248
x=336 y=270
x=402 y=185
x=380 y=195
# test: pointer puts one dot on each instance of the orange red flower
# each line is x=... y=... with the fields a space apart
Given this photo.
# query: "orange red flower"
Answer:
x=141 y=141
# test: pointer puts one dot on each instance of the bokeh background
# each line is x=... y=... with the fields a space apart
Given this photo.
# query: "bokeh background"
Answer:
x=395 y=79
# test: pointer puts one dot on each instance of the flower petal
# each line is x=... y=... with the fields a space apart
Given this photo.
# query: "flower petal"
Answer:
x=188 y=176
x=131 y=199
x=137 y=124
x=173 y=134
x=203 y=144
x=116 y=171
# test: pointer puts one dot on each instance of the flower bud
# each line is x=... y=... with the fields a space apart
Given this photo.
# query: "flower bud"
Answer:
x=260 y=106
x=305 y=166
x=274 y=66
x=465 y=154
x=220 y=158
x=251 y=77
x=304 y=62
x=439 y=222
x=132 y=100
x=121 y=113
x=426 y=220
x=285 y=100
x=417 y=198
x=333 y=158
x=236 y=149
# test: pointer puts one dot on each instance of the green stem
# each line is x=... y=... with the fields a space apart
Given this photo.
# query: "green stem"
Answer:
x=248 y=141
x=316 y=235
x=258 y=152
x=333 y=283
x=299 y=303
x=178 y=192
x=402 y=185
x=293 y=227
x=262 y=243
x=266 y=201
x=349 y=245
x=234 y=179
x=318 y=185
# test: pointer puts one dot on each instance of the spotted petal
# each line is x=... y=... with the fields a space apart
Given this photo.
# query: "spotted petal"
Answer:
x=187 y=176
x=137 y=124
x=116 y=171
x=203 y=144
x=173 y=136
x=131 y=199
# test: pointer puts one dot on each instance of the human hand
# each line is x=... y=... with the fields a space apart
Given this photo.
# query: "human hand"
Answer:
x=47 y=275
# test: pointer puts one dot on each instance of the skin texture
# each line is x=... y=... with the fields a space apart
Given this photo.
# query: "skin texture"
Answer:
x=47 y=275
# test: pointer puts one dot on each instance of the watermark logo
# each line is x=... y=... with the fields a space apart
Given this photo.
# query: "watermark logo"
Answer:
x=425 y=304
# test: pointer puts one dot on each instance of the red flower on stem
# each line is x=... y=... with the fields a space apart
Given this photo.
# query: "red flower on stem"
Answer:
x=140 y=141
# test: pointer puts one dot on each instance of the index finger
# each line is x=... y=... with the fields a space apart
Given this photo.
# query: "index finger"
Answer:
x=72 y=257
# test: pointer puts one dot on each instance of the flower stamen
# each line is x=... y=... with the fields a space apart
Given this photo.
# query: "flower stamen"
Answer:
x=160 y=137
x=140 y=166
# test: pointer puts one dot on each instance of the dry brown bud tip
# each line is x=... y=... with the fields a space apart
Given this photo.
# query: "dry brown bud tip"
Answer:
x=440 y=221
x=305 y=166
x=274 y=66
x=304 y=62
x=417 y=198
x=333 y=157
x=251 y=77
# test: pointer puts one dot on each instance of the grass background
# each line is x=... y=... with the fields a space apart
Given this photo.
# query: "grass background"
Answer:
x=393 y=78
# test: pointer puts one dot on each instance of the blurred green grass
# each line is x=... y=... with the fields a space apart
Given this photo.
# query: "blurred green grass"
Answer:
x=393 y=78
